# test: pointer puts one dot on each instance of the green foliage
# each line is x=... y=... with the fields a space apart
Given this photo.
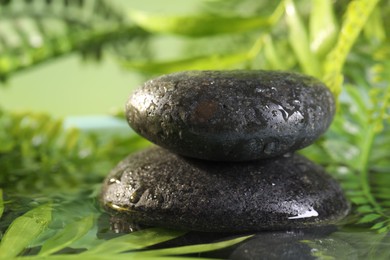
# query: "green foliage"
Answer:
x=133 y=241
x=38 y=155
x=344 y=43
x=196 y=26
x=59 y=228
x=356 y=146
x=194 y=248
x=65 y=237
x=24 y=230
x=356 y=16
x=38 y=31
x=1 y=203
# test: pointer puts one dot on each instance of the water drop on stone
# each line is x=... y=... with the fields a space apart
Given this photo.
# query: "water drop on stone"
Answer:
x=285 y=114
x=137 y=194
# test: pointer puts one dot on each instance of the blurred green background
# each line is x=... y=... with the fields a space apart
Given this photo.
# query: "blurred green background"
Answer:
x=71 y=86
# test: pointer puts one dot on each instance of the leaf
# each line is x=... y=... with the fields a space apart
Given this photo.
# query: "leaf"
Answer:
x=341 y=151
x=182 y=250
x=379 y=225
x=369 y=218
x=323 y=27
x=23 y=230
x=221 y=61
x=365 y=209
x=72 y=232
x=359 y=200
x=1 y=203
x=374 y=29
x=38 y=32
x=357 y=13
x=72 y=138
x=108 y=257
x=383 y=230
x=275 y=57
x=135 y=240
x=199 y=25
x=299 y=41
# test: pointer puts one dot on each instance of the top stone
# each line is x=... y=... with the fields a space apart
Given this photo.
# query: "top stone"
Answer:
x=231 y=115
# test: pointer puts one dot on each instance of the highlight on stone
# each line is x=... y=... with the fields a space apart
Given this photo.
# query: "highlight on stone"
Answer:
x=226 y=161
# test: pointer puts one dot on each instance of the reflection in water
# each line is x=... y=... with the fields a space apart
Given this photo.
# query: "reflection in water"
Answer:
x=292 y=244
x=329 y=242
x=281 y=244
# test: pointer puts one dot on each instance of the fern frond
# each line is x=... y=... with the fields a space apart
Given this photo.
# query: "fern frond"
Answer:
x=357 y=14
x=358 y=143
x=37 y=31
x=37 y=155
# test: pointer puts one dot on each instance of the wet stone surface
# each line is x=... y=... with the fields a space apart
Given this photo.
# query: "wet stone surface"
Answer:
x=158 y=188
x=231 y=115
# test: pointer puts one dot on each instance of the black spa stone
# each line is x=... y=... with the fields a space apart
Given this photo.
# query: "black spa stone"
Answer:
x=158 y=188
x=231 y=115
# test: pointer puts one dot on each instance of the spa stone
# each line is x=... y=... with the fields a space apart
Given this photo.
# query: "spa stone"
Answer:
x=157 y=188
x=231 y=115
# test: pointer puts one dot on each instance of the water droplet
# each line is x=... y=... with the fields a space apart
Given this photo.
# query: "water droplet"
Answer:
x=285 y=114
x=113 y=180
x=274 y=113
x=137 y=194
x=259 y=90
x=296 y=102
x=145 y=167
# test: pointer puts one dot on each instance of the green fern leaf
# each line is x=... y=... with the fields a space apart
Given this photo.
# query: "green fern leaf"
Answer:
x=37 y=31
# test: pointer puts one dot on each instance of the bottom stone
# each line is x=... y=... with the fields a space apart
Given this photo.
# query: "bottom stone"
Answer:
x=158 y=188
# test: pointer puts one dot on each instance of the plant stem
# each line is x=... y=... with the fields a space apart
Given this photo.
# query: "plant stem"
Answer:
x=366 y=148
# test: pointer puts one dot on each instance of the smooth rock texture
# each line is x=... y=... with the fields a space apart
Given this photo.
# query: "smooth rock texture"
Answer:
x=158 y=188
x=231 y=115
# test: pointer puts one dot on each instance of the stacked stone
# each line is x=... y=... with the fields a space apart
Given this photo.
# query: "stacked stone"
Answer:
x=226 y=160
